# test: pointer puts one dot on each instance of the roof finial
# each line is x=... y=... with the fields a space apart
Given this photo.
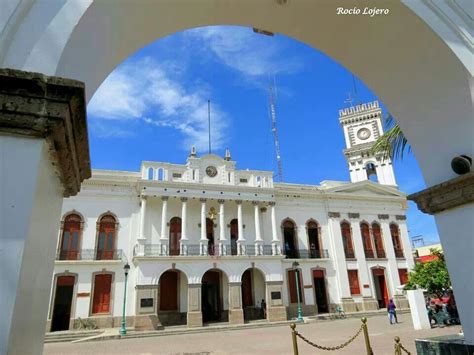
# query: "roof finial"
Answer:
x=227 y=154
x=193 y=152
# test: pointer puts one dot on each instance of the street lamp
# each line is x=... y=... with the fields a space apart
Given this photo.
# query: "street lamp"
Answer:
x=123 y=330
x=300 y=312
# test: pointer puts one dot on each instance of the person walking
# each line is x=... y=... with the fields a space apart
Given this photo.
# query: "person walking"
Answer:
x=392 y=314
x=264 y=308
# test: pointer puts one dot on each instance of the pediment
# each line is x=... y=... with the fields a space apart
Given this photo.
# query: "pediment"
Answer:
x=367 y=188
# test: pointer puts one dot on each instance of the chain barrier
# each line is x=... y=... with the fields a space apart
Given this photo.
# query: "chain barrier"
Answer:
x=399 y=347
x=363 y=328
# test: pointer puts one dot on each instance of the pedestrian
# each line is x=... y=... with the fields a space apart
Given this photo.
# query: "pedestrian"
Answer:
x=264 y=308
x=392 y=315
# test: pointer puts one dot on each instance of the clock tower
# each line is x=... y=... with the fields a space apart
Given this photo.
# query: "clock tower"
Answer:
x=362 y=125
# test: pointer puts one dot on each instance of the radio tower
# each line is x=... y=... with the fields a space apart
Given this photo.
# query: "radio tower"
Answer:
x=275 y=132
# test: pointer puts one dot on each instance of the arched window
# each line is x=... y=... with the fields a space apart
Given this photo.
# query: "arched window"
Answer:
x=379 y=249
x=102 y=293
x=150 y=174
x=289 y=238
x=70 y=238
x=366 y=240
x=234 y=236
x=347 y=240
x=314 y=242
x=371 y=172
x=175 y=235
x=397 y=244
x=106 y=238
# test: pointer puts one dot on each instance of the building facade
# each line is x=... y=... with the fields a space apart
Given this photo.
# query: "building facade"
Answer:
x=207 y=242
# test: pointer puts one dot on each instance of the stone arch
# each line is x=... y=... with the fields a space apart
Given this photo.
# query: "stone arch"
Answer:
x=253 y=291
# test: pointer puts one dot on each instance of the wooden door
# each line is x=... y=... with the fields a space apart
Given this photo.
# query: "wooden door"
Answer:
x=70 y=238
x=169 y=291
x=62 y=303
x=320 y=291
x=106 y=240
x=292 y=286
x=247 y=297
x=175 y=235
x=102 y=288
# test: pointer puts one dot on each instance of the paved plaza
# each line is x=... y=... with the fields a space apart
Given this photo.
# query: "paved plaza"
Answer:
x=266 y=340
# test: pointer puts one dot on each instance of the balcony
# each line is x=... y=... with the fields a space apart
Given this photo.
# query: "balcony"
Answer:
x=89 y=254
x=399 y=253
x=369 y=253
x=307 y=254
x=208 y=251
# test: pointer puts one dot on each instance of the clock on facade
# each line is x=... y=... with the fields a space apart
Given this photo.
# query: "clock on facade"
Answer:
x=211 y=171
x=363 y=133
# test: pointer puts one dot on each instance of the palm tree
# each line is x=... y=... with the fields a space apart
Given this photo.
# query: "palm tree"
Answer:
x=393 y=142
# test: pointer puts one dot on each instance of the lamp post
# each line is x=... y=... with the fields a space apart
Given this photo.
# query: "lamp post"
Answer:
x=123 y=330
x=300 y=312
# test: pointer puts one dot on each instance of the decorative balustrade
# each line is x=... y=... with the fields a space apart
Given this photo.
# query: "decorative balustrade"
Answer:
x=307 y=254
x=207 y=250
x=89 y=254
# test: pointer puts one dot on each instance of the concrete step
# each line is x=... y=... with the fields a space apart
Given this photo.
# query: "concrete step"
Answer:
x=68 y=336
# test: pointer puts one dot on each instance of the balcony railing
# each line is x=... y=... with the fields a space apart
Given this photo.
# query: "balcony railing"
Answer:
x=89 y=254
x=381 y=254
x=369 y=253
x=349 y=254
x=207 y=251
x=307 y=254
x=399 y=253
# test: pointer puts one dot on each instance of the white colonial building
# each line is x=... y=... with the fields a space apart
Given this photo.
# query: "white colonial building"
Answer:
x=207 y=242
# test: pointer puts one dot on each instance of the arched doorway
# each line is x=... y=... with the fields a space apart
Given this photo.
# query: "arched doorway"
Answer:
x=314 y=240
x=213 y=289
x=234 y=236
x=173 y=291
x=106 y=237
x=380 y=285
x=290 y=242
x=211 y=249
x=70 y=238
x=62 y=303
x=253 y=293
x=175 y=235
x=320 y=290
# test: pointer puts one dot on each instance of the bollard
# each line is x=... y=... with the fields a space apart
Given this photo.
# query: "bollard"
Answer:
x=398 y=350
x=366 y=336
x=293 y=336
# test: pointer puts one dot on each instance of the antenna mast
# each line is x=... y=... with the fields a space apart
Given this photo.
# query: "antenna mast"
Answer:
x=275 y=132
x=209 y=122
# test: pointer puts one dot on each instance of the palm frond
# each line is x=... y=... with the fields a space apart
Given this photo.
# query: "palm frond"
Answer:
x=393 y=142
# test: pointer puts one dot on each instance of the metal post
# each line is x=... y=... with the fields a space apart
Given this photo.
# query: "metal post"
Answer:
x=123 y=329
x=366 y=336
x=398 y=350
x=293 y=336
x=300 y=311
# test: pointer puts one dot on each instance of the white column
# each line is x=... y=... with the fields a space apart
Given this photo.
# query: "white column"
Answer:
x=406 y=242
x=240 y=227
x=276 y=248
x=222 y=228
x=164 y=218
x=363 y=270
x=141 y=241
x=184 y=227
x=203 y=242
x=258 y=235
x=392 y=272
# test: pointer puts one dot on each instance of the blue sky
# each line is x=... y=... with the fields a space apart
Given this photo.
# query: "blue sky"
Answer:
x=153 y=106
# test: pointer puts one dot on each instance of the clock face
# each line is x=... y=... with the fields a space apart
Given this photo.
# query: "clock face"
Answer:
x=363 y=133
x=211 y=171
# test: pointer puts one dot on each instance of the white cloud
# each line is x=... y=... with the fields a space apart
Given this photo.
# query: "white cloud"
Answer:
x=147 y=91
x=247 y=52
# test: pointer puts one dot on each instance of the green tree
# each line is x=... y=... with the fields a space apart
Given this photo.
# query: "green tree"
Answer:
x=393 y=142
x=432 y=276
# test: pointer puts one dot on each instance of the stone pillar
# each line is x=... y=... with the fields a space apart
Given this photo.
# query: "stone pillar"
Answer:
x=141 y=241
x=276 y=245
x=406 y=242
x=452 y=204
x=222 y=237
x=164 y=239
x=236 y=313
x=194 y=317
x=337 y=254
x=183 y=248
x=276 y=311
x=146 y=317
x=240 y=227
x=203 y=242
x=44 y=158
x=392 y=272
x=258 y=235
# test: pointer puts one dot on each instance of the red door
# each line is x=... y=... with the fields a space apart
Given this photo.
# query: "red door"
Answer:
x=102 y=286
x=292 y=285
x=169 y=291
x=379 y=277
x=175 y=235
x=247 y=289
